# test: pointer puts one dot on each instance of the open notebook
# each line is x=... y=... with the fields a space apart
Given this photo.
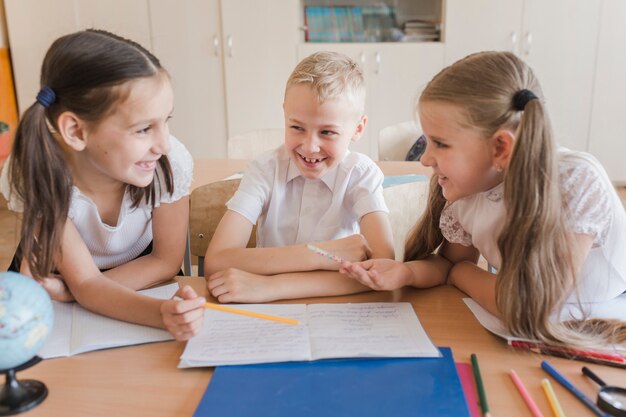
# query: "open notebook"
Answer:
x=361 y=330
x=77 y=330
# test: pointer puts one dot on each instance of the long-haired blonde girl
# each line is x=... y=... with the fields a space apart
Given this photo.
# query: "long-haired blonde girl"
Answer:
x=546 y=217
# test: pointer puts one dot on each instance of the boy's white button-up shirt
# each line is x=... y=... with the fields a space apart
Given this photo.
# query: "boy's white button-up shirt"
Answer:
x=290 y=209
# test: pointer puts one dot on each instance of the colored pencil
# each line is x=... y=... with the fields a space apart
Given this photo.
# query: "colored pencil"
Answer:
x=551 y=395
x=572 y=388
x=575 y=354
x=250 y=313
x=325 y=253
x=532 y=406
x=482 y=395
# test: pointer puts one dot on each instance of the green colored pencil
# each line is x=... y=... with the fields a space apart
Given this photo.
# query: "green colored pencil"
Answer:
x=479 y=385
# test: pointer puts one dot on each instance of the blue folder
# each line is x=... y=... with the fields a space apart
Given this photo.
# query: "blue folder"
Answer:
x=416 y=387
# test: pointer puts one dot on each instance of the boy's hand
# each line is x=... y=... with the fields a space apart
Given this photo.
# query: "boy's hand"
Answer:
x=235 y=285
x=378 y=274
x=352 y=248
x=57 y=289
x=184 y=313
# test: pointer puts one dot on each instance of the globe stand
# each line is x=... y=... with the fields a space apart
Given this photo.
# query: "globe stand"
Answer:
x=19 y=396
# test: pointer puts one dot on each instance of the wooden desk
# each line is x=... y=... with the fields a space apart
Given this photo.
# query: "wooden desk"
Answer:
x=144 y=381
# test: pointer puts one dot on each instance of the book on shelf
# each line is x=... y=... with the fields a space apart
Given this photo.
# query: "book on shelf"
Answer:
x=77 y=330
x=611 y=356
x=360 y=330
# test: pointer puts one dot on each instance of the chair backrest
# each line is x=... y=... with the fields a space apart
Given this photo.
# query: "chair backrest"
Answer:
x=395 y=141
x=406 y=202
x=251 y=144
x=207 y=207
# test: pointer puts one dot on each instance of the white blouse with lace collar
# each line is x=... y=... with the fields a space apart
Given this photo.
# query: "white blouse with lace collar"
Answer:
x=594 y=208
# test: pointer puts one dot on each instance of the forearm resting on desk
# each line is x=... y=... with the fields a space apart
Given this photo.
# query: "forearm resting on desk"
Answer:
x=476 y=282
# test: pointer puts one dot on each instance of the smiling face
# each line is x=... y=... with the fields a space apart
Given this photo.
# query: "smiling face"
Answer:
x=460 y=156
x=125 y=146
x=317 y=135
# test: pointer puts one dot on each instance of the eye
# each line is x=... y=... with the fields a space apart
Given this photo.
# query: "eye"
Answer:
x=145 y=130
x=296 y=128
x=439 y=144
x=328 y=133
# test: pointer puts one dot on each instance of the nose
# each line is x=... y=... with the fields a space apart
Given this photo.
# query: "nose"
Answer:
x=427 y=158
x=311 y=143
x=161 y=143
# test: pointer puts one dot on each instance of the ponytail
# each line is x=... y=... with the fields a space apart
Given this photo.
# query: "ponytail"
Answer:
x=41 y=179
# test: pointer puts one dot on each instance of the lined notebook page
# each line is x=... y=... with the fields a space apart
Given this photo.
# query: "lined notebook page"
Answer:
x=228 y=338
x=367 y=330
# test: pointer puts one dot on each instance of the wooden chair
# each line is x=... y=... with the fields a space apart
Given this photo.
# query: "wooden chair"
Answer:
x=207 y=207
x=395 y=141
x=251 y=144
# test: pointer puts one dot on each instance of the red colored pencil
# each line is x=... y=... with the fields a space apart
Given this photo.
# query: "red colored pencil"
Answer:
x=584 y=355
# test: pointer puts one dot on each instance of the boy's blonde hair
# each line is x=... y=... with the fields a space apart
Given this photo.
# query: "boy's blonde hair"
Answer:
x=330 y=75
x=537 y=270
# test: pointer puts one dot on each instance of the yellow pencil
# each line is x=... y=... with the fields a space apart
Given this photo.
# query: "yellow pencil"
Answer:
x=554 y=402
x=250 y=313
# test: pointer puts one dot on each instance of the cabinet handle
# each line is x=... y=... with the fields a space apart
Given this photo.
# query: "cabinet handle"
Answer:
x=377 y=59
x=216 y=45
x=513 y=41
x=529 y=43
x=229 y=43
x=362 y=59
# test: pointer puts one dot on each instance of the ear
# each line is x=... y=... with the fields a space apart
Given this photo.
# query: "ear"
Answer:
x=502 y=145
x=72 y=130
x=360 y=128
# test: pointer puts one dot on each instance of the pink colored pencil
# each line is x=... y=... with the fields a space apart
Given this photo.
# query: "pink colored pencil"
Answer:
x=532 y=406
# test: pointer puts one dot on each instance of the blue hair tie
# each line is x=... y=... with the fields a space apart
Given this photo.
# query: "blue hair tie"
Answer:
x=46 y=96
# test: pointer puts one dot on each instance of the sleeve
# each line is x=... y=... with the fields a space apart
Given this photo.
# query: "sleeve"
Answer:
x=13 y=201
x=182 y=172
x=253 y=194
x=451 y=228
x=586 y=196
x=365 y=190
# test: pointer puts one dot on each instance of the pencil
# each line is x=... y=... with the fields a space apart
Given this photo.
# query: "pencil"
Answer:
x=572 y=388
x=250 y=313
x=480 y=387
x=532 y=406
x=567 y=352
x=554 y=402
x=324 y=253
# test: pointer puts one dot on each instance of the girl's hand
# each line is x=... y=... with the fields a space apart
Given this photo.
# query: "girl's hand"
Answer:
x=352 y=248
x=184 y=313
x=235 y=285
x=57 y=289
x=378 y=274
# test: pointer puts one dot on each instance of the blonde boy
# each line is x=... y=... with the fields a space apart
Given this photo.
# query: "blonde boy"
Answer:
x=312 y=189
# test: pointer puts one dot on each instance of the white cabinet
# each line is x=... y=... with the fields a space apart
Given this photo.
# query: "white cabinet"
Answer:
x=188 y=41
x=558 y=38
x=394 y=75
x=608 y=124
x=34 y=24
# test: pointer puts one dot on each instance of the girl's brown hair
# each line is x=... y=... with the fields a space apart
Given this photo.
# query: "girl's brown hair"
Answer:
x=537 y=270
x=87 y=71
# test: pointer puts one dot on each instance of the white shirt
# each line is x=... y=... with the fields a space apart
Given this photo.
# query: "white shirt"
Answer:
x=112 y=246
x=594 y=208
x=290 y=209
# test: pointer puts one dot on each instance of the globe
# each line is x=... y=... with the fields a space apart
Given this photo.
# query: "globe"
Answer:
x=26 y=318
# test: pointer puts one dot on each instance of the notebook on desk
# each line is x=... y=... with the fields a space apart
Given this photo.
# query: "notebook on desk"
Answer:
x=416 y=387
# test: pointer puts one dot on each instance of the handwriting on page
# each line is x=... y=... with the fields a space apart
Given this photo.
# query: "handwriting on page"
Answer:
x=371 y=329
x=229 y=338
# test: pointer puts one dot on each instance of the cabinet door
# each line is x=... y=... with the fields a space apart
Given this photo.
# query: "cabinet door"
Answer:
x=481 y=25
x=32 y=26
x=398 y=74
x=187 y=40
x=559 y=42
x=260 y=42
x=608 y=123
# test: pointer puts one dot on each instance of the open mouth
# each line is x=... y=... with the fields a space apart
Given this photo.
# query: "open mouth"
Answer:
x=311 y=161
x=147 y=165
